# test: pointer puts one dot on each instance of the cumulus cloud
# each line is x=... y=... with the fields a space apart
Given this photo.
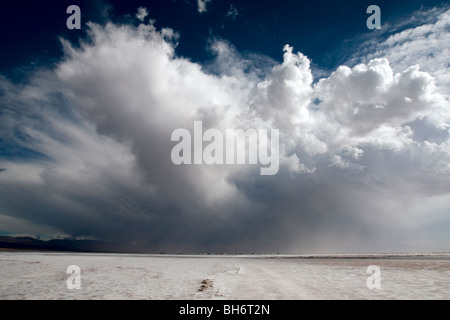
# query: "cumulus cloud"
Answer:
x=370 y=98
x=358 y=149
x=424 y=45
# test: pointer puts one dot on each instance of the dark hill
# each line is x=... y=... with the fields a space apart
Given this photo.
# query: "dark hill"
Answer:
x=29 y=243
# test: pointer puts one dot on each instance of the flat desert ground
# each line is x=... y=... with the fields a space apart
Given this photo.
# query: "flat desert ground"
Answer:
x=31 y=275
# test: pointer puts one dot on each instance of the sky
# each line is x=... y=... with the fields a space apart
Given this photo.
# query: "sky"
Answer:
x=87 y=118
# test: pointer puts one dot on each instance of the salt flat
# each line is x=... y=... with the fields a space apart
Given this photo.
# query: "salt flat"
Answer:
x=121 y=276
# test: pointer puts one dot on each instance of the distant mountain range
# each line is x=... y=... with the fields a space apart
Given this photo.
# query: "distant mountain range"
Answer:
x=29 y=243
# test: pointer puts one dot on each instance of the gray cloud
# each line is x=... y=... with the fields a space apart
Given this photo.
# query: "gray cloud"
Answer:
x=362 y=151
x=142 y=13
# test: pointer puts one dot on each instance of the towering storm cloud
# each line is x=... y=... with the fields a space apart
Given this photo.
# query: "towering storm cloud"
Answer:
x=364 y=153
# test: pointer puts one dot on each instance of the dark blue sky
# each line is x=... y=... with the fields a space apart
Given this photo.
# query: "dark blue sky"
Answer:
x=323 y=30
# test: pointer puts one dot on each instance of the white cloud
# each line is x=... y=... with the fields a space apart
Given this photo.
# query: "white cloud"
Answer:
x=104 y=117
x=201 y=5
x=370 y=101
x=426 y=45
